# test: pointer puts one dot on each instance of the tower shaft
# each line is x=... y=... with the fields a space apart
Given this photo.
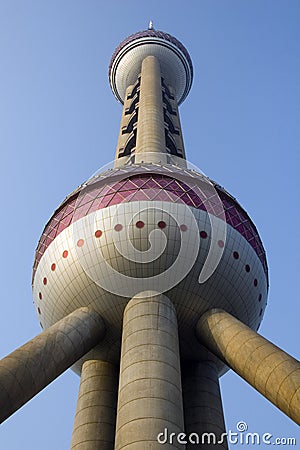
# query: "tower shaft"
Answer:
x=94 y=425
x=150 y=130
x=270 y=370
x=203 y=410
x=150 y=396
x=150 y=125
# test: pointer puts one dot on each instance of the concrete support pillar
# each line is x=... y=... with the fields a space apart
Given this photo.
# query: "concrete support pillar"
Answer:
x=150 y=396
x=30 y=368
x=150 y=141
x=94 y=426
x=203 y=411
x=274 y=373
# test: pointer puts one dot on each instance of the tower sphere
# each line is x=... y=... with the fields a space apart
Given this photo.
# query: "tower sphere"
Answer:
x=175 y=62
x=84 y=254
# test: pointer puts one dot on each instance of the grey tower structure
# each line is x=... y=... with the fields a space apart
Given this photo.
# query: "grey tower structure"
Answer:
x=150 y=281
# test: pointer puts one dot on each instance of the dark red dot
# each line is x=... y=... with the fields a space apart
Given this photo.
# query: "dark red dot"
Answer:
x=161 y=224
x=98 y=233
x=236 y=255
x=80 y=242
x=40 y=295
x=259 y=297
x=53 y=267
x=183 y=227
x=39 y=311
x=139 y=224
x=65 y=254
x=221 y=243
x=45 y=281
x=203 y=234
x=247 y=268
x=118 y=227
x=255 y=282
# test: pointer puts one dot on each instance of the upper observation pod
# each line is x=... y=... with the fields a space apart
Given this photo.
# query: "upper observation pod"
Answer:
x=175 y=62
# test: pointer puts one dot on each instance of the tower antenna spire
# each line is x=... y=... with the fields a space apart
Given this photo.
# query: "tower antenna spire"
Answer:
x=150 y=26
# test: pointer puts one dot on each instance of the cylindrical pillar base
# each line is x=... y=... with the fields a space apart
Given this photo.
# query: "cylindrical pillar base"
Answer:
x=150 y=396
x=274 y=373
x=203 y=411
x=30 y=368
x=94 y=425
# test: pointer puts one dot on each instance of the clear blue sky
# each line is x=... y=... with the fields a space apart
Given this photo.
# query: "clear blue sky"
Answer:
x=59 y=123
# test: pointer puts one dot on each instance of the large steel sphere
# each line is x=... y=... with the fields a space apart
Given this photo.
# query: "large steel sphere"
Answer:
x=148 y=227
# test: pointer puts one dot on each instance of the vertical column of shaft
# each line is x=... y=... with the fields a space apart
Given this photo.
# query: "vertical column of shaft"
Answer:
x=176 y=121
x=150 y=128
x=124 y=122
x=150 y=396
x=271 y=371
x=94 y=425
x=30 y=368
x=203 y=411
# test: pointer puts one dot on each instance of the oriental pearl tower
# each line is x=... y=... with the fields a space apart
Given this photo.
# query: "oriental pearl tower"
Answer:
x=150 y=281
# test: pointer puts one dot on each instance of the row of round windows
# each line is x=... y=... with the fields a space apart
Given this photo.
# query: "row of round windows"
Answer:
x=140 y=224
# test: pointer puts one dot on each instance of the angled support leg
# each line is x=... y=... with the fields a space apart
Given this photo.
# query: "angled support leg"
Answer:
x=270 y=370
x=30 y=368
